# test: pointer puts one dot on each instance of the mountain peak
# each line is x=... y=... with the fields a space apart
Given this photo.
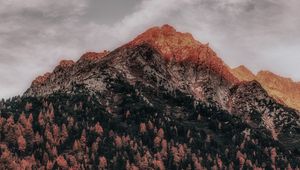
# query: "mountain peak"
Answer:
x=266 y=73
x=243 y=73
x=172 y=44
x=270 y=75
x=178 y=46
x=243 y=67
x=168 y=28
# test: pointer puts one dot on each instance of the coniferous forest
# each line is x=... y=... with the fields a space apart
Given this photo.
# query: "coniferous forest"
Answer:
x=73 y=131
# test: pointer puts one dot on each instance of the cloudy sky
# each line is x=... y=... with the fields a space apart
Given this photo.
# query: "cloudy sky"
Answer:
x=36 y=34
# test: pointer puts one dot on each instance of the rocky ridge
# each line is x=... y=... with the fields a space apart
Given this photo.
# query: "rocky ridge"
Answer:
x=284 y=90
x=165 y=60
x=180 y=47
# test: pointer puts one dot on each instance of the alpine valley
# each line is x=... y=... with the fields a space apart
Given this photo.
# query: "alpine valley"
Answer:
x=162 y=101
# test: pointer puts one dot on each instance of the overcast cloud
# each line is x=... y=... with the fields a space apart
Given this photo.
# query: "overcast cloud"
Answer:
x=36 y=34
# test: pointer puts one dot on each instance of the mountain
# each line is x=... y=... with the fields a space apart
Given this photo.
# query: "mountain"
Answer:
x=176 y=62
x=243 y=73
x=176 y=50
x=161 y=101
x=284 y=90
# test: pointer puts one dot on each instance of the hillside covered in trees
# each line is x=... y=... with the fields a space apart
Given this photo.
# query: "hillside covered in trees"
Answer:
x=73 y=131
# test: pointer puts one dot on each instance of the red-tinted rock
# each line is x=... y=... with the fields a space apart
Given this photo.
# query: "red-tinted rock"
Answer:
x=41 y=79
x=90 y=56
x=66 y=63
x=179 y=46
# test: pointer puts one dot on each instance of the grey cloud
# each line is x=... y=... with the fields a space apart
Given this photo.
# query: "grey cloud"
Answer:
x=36 y=34
x=108 y=12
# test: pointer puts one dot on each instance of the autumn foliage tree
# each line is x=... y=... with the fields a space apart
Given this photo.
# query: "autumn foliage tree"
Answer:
x=57 y=136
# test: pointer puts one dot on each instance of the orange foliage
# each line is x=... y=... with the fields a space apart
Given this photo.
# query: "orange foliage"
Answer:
x=61 y=162
x=21 y=143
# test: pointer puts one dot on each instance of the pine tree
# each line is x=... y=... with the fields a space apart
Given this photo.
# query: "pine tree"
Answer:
x=21 y=143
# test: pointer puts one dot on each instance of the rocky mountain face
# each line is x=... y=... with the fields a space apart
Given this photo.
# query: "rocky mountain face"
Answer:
x=163 y=57
x=182 y=63
x=200 y=114
x=284 y=90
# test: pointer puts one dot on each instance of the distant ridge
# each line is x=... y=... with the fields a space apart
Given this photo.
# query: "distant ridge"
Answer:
x=283 y=89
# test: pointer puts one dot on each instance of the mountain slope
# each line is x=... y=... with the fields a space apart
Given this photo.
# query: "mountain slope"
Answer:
x=208 y=118
x=135 y=127
x=284 y=90
x=163 y=58
x=183 y=64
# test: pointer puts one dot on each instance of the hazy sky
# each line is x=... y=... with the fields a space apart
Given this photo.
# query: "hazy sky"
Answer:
x=36 y=34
